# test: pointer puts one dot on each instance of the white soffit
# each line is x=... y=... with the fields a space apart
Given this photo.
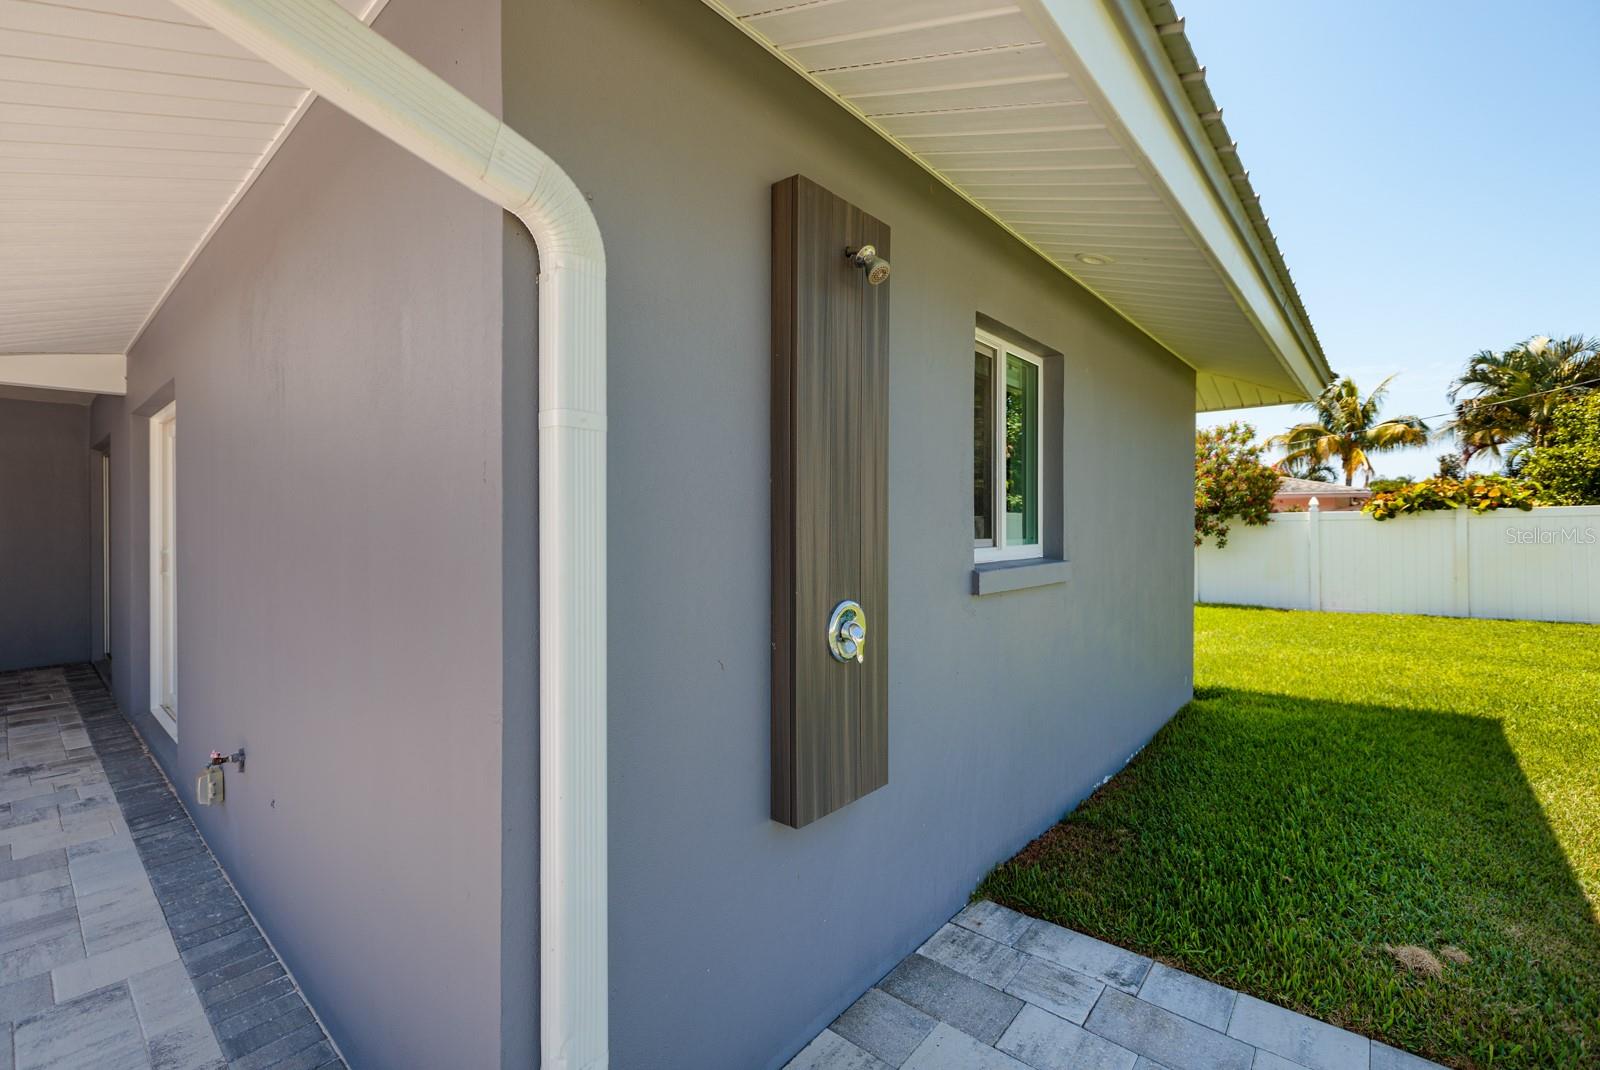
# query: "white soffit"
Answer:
x=128 y=130
x=1073 y=124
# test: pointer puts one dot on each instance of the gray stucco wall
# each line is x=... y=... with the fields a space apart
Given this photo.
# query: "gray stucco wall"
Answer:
x=335 y=353
x=733 y=938
x=44 y=533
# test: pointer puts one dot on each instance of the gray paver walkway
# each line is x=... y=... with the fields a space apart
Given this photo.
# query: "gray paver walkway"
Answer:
x=122 y=946
x=996 y=990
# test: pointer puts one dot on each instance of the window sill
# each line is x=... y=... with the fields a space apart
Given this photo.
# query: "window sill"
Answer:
x=997 y=577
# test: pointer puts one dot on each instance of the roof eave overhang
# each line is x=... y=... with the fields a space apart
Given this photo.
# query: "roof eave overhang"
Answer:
x=1203 y=188
x=1114 y=54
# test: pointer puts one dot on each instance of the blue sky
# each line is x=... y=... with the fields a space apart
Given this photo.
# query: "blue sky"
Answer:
x=1432 y=174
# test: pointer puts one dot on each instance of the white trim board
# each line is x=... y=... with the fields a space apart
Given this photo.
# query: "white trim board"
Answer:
x=85 y=373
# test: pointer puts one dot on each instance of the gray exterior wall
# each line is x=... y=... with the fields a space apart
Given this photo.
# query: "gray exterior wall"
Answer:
x=44 y=533
x=734 y=939
x=335 y=353
x=353 y=361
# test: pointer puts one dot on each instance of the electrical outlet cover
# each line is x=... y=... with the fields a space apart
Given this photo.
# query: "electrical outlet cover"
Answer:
x=208 y=789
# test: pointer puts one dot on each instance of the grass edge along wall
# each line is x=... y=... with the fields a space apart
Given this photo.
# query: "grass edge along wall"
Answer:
x=1411 y=851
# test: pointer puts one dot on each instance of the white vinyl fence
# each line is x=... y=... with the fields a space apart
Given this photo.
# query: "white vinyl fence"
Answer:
x=1538 y=565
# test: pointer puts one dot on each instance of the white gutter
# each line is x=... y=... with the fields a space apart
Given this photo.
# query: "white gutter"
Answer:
x=340 y=58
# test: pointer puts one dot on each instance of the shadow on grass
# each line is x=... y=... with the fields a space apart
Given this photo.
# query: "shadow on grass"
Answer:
x=1292 y=848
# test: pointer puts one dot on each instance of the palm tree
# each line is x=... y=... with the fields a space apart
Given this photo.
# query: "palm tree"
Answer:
x=1347 y=431
x=1511 y=396
x=1307 y=467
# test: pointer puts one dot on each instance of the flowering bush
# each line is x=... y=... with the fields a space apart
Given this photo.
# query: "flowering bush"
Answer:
x=1567 y=465
x=1229 y=481
x=1478 y=493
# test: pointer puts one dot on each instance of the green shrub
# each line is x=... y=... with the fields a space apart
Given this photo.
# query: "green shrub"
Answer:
x=1384 y=486
x=1230 y=481
x=1478 y=493
x=1567 y=466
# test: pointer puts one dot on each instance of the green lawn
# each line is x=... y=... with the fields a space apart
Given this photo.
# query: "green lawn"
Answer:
x=1343 y=785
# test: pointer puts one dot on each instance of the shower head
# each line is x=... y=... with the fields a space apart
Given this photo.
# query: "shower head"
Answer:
x=866 y=257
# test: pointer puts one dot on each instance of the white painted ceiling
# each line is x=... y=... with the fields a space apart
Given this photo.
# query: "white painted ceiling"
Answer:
x=979 y=93
x=127 y=132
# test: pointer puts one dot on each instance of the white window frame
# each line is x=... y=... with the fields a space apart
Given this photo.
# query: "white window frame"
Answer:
x=988 y=550
x=163 y=569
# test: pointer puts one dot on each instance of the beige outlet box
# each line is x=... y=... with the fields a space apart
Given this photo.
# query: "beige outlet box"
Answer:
x=208 y=788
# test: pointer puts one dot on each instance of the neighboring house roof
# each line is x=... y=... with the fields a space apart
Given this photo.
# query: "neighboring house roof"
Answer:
x=1314 y=487
x=1084 y=128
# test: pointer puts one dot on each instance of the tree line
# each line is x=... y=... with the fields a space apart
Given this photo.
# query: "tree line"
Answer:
x=1509 y=404
x=1534 y=407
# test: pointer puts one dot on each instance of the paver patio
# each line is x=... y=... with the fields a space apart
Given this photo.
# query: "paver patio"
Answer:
x=122 y=946
x=997 y=990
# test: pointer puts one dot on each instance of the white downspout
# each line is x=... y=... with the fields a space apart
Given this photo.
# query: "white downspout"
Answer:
x=347 y=62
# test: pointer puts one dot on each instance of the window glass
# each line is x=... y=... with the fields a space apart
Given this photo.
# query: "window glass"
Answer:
x=1022 y=451
x=983 y=436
